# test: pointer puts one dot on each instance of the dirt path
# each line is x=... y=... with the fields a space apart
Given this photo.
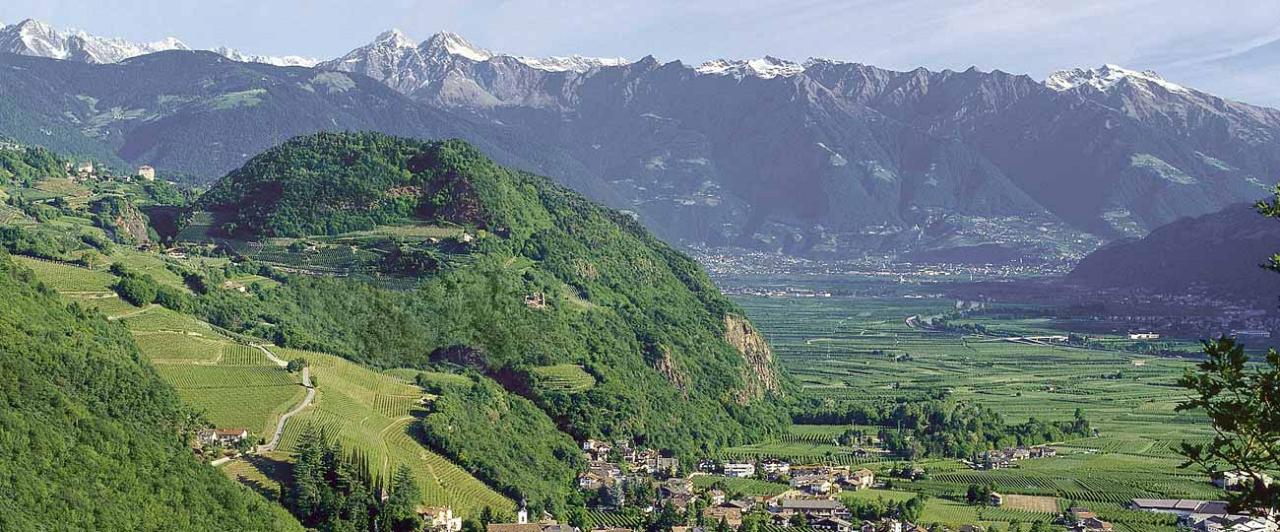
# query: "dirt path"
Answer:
x=133 y=313
x=306 y=401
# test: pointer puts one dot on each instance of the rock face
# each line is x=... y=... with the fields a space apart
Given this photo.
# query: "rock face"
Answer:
x=760 y=374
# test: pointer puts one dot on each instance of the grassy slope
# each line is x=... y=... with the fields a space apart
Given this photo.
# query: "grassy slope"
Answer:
x=90 y=431
x=235 y=385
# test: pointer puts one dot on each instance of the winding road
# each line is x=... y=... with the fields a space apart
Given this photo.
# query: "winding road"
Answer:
x=306 y=401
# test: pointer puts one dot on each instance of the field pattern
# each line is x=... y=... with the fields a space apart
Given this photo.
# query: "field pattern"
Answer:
x=866 y=349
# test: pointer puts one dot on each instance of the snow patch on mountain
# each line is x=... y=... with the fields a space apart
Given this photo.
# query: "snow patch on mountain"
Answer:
x=573 y=63
x=288 y=60
x=35 y=38
x=1106 y=77
x=766 y=67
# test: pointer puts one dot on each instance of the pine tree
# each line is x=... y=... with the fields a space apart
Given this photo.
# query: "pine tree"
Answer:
x=400 y=509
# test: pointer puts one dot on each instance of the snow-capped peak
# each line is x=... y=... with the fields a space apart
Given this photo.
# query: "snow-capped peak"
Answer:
x=395 y=38
x=1104 y=78
x=454 y=44
x=765 y=67
x=35 y=38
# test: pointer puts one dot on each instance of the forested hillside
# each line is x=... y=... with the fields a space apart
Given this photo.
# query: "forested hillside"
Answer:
x=90 y=437
x=535 y=280
x=1221 y=253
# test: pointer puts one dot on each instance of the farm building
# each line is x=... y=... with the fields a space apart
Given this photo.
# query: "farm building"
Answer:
x=223 y=436
x=1180 y=507
x=1144 y=336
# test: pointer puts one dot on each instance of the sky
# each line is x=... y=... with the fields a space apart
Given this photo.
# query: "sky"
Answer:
x=1216 y=45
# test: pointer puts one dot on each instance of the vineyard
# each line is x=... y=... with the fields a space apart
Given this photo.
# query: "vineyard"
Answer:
x=375 y=413
x=563 y=378
x=864 y=350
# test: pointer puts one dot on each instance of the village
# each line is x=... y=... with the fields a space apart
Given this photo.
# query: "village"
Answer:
x=619 y=471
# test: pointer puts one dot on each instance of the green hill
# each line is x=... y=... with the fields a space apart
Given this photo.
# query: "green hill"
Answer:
x=533 y=276
x=90 y=437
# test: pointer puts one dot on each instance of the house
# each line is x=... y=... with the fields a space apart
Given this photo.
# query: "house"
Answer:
x=1144 y=336
x=1090 y=524
x=775 y=468
x=668 y=465
x=223 y=436
x=996 y=499
x=146 y=172
x=440 y=519
x=1042 y=451
x=730 y=515
x=1234 y=480
x=85 y=168
x=676 y=491
x=1229 y=523
x=740 y=470
x=834 y=524
x=599 y=474
x=716 y=497
x=813 y=484
x=812 y=508
x=530 y=527
x=861 y=479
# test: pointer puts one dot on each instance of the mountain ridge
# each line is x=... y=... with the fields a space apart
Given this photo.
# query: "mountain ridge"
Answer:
x=826 y=159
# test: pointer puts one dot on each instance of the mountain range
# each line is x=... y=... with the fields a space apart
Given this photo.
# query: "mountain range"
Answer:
x=822 y=158
x=35 y=38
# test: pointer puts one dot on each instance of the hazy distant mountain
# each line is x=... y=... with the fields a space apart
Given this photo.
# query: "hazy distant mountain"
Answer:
x=1221 y=252
x=821 y=158
x=37 y=39
x=834 y=158
x=194 y=112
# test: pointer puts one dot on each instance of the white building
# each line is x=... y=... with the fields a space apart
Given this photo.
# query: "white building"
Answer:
x=742 y=470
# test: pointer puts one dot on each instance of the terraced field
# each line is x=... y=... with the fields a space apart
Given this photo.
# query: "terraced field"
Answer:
x=376 y=413
x=564 y=378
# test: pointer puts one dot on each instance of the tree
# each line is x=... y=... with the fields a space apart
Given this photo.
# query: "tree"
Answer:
x=1243 y=405
x=400 y=509
x=296 y=365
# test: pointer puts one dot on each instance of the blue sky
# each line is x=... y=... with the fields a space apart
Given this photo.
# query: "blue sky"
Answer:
x=1190 y=41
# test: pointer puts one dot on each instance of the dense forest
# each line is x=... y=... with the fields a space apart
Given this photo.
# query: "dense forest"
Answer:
x=90 y=437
